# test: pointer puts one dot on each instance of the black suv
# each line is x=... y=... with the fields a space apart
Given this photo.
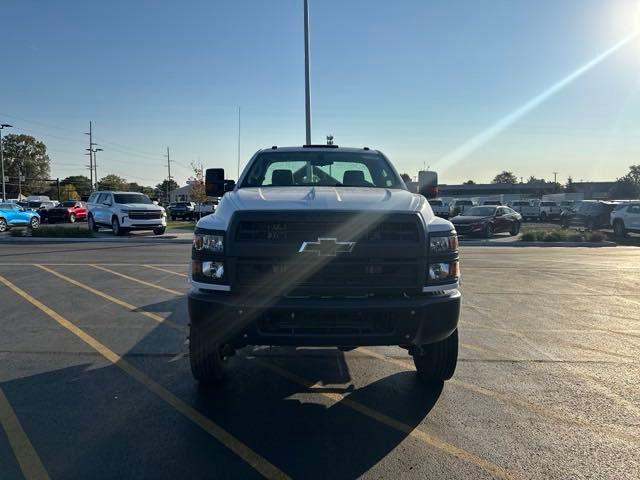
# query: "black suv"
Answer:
x=589 y=214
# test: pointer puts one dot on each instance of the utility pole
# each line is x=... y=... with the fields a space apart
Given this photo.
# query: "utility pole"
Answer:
x=555 y=177
x=307 y=95
x=169 y=172
x=238 y=177
x=89 y=150
x=4 y=192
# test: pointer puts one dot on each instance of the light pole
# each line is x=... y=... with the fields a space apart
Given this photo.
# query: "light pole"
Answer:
x=307 y=94
x=4 y=192
x=95 y=165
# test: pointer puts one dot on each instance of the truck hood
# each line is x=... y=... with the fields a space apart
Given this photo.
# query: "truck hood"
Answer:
x=140 y=206
x=325 y=198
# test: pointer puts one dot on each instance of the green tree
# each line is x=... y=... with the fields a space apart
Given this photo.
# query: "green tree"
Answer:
x=27 y=157
x=625 y=188
x=505 y=177
x=161 y=188
x=634 y=174
x=469 y=182
x=569 y=188
x=534 y=180
x=81 y=183
x=113 y=182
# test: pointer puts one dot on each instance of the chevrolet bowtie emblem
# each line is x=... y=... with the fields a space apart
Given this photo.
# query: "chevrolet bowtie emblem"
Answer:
x=327 y=247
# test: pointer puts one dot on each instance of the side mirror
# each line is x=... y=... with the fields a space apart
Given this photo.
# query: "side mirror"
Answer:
x=108 y=204
x=214 y=183
x=428 y=184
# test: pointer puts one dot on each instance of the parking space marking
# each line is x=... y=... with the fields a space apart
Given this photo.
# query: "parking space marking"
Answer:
x=28 y=459
x=137 y=280
x=420 y=435
x=530 y=406
x=260 y=464
x=117 y=301
x=165 y=270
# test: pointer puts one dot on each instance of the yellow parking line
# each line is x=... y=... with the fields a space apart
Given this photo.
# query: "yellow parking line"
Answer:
x=424 y=437
x=117 y=301
x=256 y=461
x=164 y=270
x=137 y=280
x=532 y=407
x=27 y=457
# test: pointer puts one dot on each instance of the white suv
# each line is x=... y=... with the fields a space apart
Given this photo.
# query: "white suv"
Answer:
x=125 y=211
x=626 y=218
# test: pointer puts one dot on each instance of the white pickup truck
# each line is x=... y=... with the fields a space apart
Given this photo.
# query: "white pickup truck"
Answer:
x=543 y=212
x=440 y=208
x=322 y=246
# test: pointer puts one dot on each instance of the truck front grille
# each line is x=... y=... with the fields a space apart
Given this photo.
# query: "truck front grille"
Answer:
x=358 y=276
x=144 y=215
x=300 y=231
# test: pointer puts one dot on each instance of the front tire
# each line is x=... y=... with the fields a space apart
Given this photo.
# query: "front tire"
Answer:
x=437 y=362
x=207 y=363
x=488 y=231
x=116 y=228
x=515 y=230
x=543 y=217
x=34 y=223
x=72 y=218
x=3 y=225
x=159 y=231
x=92 y=224
x=619 y=229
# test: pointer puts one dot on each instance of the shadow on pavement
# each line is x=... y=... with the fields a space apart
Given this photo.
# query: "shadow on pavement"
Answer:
x=93 y=421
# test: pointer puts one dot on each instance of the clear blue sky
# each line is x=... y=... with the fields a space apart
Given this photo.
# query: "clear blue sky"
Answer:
x=414 y=78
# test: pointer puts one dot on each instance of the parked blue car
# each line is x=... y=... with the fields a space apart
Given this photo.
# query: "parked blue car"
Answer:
x=13 y=215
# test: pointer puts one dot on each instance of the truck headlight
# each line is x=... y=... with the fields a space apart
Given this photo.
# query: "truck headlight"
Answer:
x=211 y=243
x=443 y=243
x=444 y=271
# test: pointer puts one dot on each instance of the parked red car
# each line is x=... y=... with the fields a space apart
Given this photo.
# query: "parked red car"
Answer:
x=486 y=220
x=69 y=211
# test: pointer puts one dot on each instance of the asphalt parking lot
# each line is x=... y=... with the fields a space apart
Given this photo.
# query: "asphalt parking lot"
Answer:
x=95 y=381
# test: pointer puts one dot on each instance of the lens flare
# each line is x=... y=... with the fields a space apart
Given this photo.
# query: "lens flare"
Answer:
x=485 y=136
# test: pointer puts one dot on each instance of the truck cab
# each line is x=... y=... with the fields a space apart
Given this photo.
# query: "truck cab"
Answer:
x=322 y=246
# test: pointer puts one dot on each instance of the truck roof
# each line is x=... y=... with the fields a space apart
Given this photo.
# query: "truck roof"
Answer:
x=320 y=148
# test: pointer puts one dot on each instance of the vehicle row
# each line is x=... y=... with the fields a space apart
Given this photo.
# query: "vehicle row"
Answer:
x=191 y=210
x=623 y=217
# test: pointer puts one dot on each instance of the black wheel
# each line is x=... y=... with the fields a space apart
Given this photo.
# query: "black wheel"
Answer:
x=207 y=362
x=72 y=218
x=488 y=230
x=3 y=225
x=34 y=223
x=159 y=231
x=436 y=362
x=116 y=228
x=543 y=217
x=92 y=224
x=515 y=229
x=619 y=229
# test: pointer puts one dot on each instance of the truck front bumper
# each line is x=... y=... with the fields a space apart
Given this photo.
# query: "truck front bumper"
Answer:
x=235 y=320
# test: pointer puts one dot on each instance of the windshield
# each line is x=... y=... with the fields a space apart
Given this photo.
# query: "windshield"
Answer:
x=131 y=198
x=464 y=202
x=321 y=168
x=479 y=212
x=68 y=204
x=435 y=203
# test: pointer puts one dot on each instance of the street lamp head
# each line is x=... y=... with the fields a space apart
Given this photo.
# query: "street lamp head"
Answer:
x=5 y=125
x=98 y=150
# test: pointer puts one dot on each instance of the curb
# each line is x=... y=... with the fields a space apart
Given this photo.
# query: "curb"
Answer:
x=41 y=240
x=489 y=243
